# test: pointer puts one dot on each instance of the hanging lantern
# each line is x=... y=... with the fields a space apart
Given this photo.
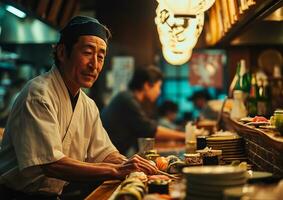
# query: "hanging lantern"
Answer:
x=188 y=7
x=177 y=34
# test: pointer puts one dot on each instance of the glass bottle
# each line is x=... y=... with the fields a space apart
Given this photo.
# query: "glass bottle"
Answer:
x=267 y=96
x=263 y=97
x=243 y=81
x=252 y=98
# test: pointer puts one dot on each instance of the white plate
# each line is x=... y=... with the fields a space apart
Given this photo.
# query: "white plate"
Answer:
x=252 y=175
x=213 y=171
x=194 y=181
x=223 y=138
x=210 y=188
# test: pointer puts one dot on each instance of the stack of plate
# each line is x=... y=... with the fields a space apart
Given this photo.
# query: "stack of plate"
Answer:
x=209 y=182
x=232 y=147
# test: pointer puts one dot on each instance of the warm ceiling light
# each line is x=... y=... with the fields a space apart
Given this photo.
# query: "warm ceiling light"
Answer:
x=188 y=7
x=277 y=15
x=179 y=29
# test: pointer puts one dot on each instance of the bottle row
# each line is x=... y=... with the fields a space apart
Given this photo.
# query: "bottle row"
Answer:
x=261 y=94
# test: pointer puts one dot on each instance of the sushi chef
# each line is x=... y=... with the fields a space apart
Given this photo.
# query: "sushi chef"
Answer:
x=54 y=135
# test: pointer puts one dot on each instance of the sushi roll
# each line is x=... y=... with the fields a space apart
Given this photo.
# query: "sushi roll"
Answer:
x=161 y=163
x=131 y=189
x=140 y=175
x=159 y=186
x=128 y=194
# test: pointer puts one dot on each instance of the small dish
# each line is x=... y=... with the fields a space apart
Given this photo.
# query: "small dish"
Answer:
x=258 y=176
x=257 y=124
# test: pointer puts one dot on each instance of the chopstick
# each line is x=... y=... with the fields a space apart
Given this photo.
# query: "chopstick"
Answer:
x=166 y=174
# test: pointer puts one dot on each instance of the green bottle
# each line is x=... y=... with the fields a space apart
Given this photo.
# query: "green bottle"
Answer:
x=243 y=78
x=252 y=98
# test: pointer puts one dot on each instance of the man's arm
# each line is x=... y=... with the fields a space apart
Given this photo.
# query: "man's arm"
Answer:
x=73 y=170
x=164 y=133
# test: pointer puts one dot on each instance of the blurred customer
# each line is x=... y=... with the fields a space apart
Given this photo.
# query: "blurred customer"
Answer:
x=126 y=120
x=168 y=111
x=205 y=107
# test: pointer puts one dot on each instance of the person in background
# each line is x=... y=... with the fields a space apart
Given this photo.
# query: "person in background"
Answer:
x=168 y=111
x=54 y=135
x=125 y=119
x=203 y=106
x=199 y=99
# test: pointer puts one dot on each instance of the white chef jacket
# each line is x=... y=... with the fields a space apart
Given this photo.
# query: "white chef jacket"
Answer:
x=43 y=128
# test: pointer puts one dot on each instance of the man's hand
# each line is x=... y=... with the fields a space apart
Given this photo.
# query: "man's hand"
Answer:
x=115 y=158
x=136 y=163
x=73 y=170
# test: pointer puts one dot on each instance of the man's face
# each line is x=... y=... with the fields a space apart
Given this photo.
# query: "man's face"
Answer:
x=200 y=102
x=152 y=91
x=82 y=67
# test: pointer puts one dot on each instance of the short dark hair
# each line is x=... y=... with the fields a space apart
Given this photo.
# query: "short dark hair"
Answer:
x=167 y=106
x=69 y=46
x=201 y=94
x=145 y=74
x=76 y=27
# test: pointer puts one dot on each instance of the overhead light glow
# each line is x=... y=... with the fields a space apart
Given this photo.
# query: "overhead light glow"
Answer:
x=16 y=11
x=179 y=25
x=188 y=7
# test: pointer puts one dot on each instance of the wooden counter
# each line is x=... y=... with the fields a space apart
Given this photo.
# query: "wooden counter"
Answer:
x=272 y=157
x=271 y=136
x=264 y=147
x=104 y=191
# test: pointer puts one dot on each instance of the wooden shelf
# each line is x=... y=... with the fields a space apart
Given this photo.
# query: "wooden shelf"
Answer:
x=229 y=21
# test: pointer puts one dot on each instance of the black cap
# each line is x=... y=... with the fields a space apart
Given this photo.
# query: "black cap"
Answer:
x=83 y=25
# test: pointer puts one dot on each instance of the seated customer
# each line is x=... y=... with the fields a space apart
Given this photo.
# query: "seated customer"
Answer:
x=199 y=99
x=125 y=119
x=167 y=114
x=204 y=107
